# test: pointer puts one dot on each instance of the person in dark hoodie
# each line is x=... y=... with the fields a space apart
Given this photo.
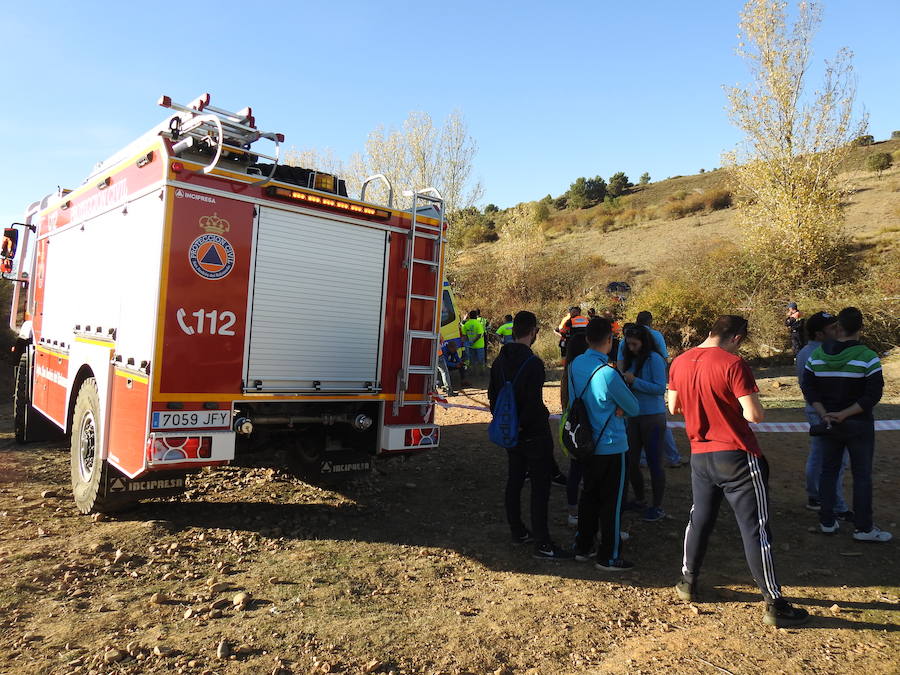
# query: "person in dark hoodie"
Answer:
x=533 y=455
x=843 y=381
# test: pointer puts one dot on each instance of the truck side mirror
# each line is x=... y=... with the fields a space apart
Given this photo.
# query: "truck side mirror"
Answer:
x=10 y=243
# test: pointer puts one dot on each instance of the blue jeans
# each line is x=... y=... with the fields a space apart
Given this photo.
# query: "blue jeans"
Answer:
x=814 y=468
x=476 y=355
x=444 y=374
x=670 y=448
x=858 y=438
x=647 y=433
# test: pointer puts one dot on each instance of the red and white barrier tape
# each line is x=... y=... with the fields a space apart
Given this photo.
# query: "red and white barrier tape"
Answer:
x=763 y=427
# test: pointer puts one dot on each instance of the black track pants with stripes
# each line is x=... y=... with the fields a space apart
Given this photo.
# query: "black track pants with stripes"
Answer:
x=743 y=480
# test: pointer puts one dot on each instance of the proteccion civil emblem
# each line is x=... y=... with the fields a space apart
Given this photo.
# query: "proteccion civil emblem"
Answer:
x=211 y=255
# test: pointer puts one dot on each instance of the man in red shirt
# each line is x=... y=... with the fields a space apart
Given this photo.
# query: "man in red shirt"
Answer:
x=715 y=390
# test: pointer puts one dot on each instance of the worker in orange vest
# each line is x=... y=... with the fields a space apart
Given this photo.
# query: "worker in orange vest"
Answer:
x=575 y=323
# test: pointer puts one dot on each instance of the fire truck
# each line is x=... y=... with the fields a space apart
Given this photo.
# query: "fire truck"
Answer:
x=195 y=296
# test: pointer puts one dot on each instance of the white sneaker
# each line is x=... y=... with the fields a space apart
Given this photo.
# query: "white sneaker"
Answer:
x=829 y=529
x=572 y=521
x=872 y=535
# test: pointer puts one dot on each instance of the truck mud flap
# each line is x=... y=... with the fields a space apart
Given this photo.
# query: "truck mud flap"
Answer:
x=344 y=463
x=156 y=484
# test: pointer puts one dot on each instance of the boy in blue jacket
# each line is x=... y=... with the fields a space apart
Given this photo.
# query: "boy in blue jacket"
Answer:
x=606 y=398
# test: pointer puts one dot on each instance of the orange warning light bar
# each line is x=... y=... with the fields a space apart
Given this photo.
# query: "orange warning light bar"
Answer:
x=327 y=202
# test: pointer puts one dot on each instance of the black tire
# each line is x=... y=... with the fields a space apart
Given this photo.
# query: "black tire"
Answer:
x=304 y=457
x=30 y=425
x=88 y=470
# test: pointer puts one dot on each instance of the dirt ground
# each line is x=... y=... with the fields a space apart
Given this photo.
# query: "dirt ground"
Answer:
x=410 y=570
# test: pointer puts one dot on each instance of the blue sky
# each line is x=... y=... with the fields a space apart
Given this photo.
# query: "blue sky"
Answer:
x=551 y=91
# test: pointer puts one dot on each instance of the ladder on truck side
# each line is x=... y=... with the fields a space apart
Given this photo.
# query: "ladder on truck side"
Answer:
x=422 y=199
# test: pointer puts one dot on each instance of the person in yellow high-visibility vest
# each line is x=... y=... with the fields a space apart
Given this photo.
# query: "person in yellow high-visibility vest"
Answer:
x=504 y=332
x=473 y=329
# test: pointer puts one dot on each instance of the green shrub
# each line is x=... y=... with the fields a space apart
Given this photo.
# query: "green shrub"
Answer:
x=688 y=293
x=895 y=135
x=477 y=233
x=862 y=141
x=540 y=212
x=576 y=196
x=685 y=300
x=644 y=179
x=879 y=161
x=618 y=183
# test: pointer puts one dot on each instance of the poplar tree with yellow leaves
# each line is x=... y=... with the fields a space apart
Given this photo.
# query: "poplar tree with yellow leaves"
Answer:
x=786 y=170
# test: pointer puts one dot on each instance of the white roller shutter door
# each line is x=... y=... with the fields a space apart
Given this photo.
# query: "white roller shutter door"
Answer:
x=317 y=304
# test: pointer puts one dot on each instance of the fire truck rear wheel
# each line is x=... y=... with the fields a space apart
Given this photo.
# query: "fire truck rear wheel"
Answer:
x=304 y=459
x=30 y=425
x=88 y=470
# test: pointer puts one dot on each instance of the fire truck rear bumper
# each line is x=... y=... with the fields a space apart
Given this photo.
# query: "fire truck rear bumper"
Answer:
x=404 y=438
x=188 y=450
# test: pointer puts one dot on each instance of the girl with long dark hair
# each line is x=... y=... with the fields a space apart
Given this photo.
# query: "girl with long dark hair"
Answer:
x=645 y=372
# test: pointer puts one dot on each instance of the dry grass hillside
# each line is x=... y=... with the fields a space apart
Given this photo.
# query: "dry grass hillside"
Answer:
x=549 y=256
x=873 y=218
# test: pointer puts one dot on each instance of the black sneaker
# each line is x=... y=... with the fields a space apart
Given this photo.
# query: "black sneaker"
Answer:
x=783 y=614
x=552 y=552
x=559 y=479
x=686 y=591
x=813 y=504
x=583 y=556
x=634 y=506
x=846 y=516
x=617 y=565
x=525 y=538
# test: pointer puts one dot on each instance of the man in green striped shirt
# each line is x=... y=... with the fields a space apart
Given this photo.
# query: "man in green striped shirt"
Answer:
x=843 y=382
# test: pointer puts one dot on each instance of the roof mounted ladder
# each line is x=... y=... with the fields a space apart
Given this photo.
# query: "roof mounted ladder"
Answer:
x=234 y=132
x=418 y=230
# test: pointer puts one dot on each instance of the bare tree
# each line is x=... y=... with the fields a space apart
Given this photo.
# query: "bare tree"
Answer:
x=311 y=158
x=786 y=170
x=457 y=153
x=416 y=156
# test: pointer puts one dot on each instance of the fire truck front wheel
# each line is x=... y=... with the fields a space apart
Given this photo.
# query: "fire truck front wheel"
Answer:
x=88 y=470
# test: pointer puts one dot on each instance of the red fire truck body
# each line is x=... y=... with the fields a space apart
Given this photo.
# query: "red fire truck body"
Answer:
x=189 y=297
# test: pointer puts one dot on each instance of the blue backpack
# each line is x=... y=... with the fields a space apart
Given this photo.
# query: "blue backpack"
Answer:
x=504 y=427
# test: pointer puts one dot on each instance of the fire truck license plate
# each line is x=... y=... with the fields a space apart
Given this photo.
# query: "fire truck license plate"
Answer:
x=191 y=419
